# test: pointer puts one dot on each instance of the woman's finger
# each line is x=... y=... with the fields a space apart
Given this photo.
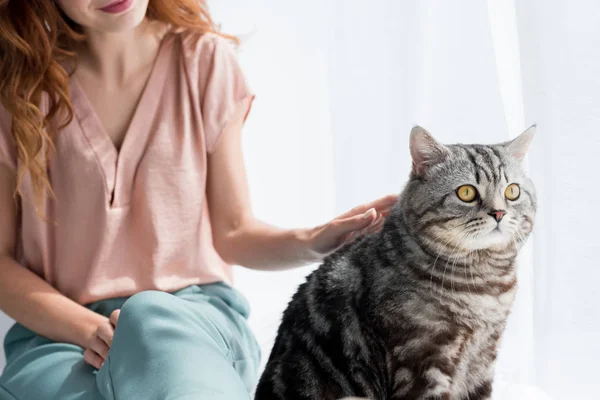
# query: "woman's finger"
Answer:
x=376 y=227
x=341 y=231
x=377 y=220
x=105 y=333
x=382 y=204
x=114 y=317
x=341 y=227
x=350 y=237
x=358 y=235
x=100 y=347
x=93 y=359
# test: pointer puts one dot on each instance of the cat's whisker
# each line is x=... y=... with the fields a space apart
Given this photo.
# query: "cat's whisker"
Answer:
x=462 y=238
x=470 y=263
x=430 y=246
x=520 y=238
x=433 y=266
x=471 y=270
x=459 y=235
x=437 y=238
x=436 y=259
x=466 y=277
x=448 y=260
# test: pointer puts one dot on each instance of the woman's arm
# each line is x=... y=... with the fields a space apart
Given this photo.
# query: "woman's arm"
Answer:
x=29 y=299
x=241 y=239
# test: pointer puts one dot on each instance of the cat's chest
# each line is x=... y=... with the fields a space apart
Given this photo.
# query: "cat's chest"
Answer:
x=475 y=362
x=479 y=310
x=444 y=361
x=447 y=345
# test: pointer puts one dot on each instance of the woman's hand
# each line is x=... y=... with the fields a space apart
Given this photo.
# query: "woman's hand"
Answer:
x=364 y=219
x=100 y=340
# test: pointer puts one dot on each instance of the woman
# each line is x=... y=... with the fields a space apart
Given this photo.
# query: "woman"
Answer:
x=124 y=202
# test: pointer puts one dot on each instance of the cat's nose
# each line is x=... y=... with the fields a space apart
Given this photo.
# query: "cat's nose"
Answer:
x=497 y=215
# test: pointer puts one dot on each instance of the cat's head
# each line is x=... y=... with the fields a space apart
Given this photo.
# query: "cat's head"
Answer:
x=469 y=197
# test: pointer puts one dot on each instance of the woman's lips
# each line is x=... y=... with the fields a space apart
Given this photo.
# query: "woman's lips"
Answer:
x=117 y=6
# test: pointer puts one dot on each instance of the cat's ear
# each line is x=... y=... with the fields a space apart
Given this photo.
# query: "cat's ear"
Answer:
x=518 y=147
x=425 y=150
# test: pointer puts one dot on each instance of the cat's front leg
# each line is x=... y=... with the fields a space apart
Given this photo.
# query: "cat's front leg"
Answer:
x=481 y=392
x=443 y=396
x=437 y=385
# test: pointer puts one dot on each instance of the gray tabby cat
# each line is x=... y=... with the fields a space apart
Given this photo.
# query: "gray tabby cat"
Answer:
x=416 y=310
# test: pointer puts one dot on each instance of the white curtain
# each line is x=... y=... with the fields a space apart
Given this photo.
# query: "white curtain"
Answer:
x=339 y=83
x=560 y=53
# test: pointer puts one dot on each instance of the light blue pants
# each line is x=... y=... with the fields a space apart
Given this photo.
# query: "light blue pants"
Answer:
x=192 y=344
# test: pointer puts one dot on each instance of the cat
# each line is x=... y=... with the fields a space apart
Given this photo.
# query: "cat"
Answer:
x=416 y=310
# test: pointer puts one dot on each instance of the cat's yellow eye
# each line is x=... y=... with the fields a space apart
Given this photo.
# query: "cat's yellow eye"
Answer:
x=512 y=192
x=466 y=193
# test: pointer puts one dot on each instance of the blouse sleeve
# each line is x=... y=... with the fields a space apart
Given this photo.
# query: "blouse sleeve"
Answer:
x=8 y=153
x=222 y=86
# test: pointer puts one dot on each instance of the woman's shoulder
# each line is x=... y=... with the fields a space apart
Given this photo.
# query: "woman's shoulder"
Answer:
x=203 y=44
x=209 y=57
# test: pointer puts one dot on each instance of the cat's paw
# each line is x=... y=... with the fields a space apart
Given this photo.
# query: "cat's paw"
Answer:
x=354 y=398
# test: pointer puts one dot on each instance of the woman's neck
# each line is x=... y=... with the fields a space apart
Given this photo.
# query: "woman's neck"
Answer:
x=116 y=57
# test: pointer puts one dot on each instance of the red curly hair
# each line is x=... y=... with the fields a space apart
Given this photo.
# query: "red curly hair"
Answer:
x=36 y=40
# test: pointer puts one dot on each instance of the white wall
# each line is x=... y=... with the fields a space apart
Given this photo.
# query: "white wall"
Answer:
x=287 y=139
x=396 y=64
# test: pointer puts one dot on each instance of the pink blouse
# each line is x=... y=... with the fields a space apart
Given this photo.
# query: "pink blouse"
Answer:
x=135 y=219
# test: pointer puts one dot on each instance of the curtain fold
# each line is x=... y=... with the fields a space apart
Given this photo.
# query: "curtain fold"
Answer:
x=560 y=59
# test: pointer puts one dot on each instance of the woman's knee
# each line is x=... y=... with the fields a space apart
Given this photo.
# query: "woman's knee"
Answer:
x=151 y=317
x=143 y=306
